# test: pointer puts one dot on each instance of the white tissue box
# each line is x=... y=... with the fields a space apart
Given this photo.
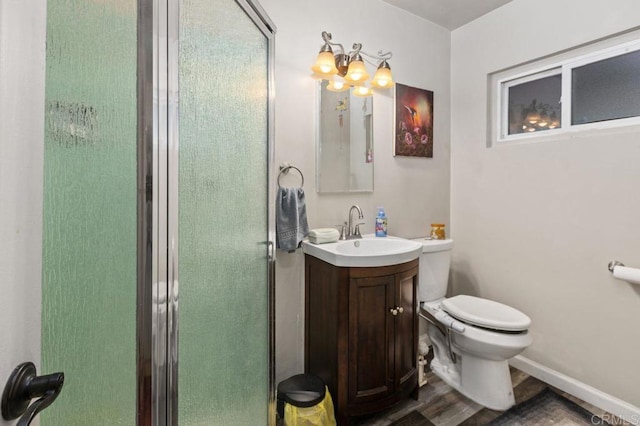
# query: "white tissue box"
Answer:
x=323 y=235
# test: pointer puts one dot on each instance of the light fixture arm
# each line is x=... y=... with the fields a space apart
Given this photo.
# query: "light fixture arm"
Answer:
x=376 y=60
x=381 y=56
x=327 y=39
x=357 y=47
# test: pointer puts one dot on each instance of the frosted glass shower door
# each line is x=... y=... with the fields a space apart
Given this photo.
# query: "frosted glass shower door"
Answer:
x=223 y=362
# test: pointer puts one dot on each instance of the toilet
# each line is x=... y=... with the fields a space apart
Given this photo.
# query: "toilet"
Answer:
x=472 y=337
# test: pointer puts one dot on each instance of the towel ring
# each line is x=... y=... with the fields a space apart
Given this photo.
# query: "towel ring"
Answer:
x=285 y=169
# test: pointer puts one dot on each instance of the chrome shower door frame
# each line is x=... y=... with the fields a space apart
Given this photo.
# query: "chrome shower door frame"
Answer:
x=158 y=143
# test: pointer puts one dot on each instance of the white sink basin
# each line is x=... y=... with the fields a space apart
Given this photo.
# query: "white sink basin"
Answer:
x=366 y=252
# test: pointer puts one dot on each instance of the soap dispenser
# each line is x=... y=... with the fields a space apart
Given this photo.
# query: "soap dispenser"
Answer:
x=381 y=223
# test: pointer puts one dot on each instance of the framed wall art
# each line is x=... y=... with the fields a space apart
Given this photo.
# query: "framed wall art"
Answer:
x=413 y=134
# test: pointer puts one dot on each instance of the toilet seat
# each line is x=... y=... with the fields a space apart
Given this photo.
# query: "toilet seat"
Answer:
x=486 y=313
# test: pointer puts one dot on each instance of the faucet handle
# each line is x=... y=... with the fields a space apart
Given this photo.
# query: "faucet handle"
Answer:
x=343 y=232
x=356 y=231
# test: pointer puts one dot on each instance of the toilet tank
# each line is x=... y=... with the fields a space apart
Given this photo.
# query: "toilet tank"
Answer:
x=434 y=269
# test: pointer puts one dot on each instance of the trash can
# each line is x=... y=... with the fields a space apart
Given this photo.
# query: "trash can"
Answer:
x=304 y=400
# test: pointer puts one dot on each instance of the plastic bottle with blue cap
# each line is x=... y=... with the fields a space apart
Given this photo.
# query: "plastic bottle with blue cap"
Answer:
x=381 y=223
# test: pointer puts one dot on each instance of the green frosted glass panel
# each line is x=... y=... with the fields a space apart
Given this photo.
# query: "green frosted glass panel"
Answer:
x=89 y=247
x=223 y=337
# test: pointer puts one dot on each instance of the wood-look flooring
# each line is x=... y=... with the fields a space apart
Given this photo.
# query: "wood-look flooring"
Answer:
x=444 y=406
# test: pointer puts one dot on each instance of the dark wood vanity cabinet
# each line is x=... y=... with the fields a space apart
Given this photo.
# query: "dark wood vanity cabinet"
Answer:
x=361 y=334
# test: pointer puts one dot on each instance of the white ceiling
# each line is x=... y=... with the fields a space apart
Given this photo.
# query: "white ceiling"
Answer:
x=450 y=14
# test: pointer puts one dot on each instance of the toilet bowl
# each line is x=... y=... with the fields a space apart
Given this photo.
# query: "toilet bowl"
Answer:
x=472 y=337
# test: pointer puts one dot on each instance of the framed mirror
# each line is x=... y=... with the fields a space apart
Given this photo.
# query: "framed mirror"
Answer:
x=344 y=158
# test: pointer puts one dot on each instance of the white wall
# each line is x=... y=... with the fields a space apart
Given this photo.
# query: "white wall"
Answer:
x=536 y=224
x=22 y=53
x=414 y=192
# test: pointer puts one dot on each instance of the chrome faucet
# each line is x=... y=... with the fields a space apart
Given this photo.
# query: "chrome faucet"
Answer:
x=354 y=232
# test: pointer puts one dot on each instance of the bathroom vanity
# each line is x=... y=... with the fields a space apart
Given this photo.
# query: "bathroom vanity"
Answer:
x=361 y=333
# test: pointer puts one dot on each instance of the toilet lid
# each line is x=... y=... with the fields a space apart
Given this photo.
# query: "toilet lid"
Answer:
x=486 y=313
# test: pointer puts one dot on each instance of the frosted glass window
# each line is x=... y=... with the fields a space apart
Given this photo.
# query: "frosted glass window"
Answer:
x=597 y=89
x=534 y=106
x=606 y=90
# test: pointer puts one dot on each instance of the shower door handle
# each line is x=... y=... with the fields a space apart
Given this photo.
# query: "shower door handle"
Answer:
x=24 y=385
x=270 y=250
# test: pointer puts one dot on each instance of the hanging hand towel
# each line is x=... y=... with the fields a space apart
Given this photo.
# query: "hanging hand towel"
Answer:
x=291 y=218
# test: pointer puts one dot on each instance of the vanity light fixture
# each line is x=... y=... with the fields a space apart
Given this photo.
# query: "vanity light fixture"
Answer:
x=346 y=69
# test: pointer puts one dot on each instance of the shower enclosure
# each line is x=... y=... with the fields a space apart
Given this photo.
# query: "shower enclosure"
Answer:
x=157 y=282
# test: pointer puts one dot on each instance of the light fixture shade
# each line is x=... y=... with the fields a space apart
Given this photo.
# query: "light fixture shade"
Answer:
x=357 y=73
x=337 y=85
x=382 y=79
x=325 y=65
x=362 y=91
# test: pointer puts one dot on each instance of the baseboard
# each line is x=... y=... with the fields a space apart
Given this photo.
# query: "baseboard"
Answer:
x=589 y=394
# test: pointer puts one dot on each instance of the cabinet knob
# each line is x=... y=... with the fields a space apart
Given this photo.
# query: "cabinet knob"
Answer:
x=400 y=309
x=393 y=311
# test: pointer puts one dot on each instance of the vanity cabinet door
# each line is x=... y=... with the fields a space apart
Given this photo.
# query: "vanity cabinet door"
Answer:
x=366 y=355
x=406 y=330
x=371 y=338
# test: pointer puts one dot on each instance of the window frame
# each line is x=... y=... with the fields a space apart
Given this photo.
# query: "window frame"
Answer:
x=563 y=68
